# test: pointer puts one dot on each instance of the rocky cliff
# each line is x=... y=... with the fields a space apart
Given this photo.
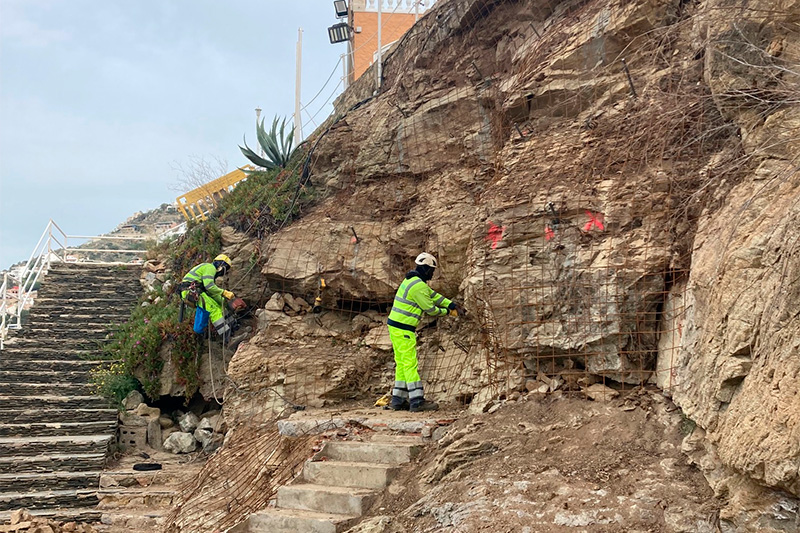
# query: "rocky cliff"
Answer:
x=612 y=190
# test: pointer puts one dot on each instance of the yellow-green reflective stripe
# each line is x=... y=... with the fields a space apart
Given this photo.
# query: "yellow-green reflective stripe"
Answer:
x=407 y=302
x=413 y=282
x=406 y=313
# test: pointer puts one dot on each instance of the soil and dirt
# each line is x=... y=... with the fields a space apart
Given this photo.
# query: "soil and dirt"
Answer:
x=558 y=463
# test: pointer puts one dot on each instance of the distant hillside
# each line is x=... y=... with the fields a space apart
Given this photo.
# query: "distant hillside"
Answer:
x=147 y=224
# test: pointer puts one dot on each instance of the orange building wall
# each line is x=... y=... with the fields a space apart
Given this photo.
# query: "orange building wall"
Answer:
x=365 y=44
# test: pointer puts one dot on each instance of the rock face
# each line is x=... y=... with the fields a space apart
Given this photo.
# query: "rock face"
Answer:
x=180 y=442
x=632 y=220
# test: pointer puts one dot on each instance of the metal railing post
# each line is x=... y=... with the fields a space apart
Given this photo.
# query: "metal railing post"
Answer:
x=49 y=240
x=3 y=307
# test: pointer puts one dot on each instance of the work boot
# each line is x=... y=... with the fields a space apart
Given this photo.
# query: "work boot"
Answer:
x=424 y=405
x=398 y=404
x=232 y=343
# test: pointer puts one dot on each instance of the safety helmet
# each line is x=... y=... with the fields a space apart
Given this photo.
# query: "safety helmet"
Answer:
x=223 y=262
x=426 y=259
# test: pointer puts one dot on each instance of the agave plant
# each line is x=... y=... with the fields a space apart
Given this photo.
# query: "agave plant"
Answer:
x=277 y=146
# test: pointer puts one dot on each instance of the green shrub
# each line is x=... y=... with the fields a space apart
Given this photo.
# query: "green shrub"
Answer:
x=267 y=200
x=136 y=349
x=112 y=382
x=200 y=244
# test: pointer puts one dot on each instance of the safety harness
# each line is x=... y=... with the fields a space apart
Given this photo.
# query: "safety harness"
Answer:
x=194 y=289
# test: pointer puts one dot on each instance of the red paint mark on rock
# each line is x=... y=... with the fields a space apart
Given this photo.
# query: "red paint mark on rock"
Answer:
x=495 y=234
x=595 y=221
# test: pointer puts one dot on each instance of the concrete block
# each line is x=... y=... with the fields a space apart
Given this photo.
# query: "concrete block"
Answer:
x=325 y=499
x=369 y=452
x=294 y=520
x=154 y=434
x=345 y=474
x=132 y=437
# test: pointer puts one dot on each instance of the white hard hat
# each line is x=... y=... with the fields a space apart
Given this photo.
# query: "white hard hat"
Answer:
x=426 y=259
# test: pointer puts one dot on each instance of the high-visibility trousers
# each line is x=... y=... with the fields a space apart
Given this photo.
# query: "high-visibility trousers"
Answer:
x=208 y=308
x=407 y=383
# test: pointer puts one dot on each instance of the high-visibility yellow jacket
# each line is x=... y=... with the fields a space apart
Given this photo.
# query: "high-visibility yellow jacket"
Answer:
x=206 y=273
x=413 y=298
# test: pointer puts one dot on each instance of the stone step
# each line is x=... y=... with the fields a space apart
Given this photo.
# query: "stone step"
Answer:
x=326 y=499
x=62 y=318
x=58 y=445
x=104 y=281
x=72 y=343
x=296 y=521
x=77 y=316
x=111 y=498
x=349 y=474
x=55 y=402
x=45 y=308
x=52 y=429
x=77 y=280
x=97 y=288
x=74 y=301
x=64 y=332
x=369 y=452
x=54 y=388
x=32 y=350
x=34 y=415
x=44 y=376
x=37 y=482
x=93 y=267
x=76 y=462
x=46 y=364
x=134 y=520
x=51 y=499
x=61 y=515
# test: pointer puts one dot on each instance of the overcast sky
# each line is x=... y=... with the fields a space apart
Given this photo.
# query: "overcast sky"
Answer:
x=100 y=98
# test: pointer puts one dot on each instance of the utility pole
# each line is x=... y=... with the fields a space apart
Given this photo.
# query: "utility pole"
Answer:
x=258 y=122
x=416 y=10
x=380 y=60
x=298 y=122
x=344 y=72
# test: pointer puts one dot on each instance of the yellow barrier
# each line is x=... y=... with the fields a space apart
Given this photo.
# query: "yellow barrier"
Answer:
x=198 y=203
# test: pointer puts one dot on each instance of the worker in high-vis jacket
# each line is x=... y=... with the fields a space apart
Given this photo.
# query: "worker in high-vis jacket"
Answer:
x=199 y=288
x=413 y=299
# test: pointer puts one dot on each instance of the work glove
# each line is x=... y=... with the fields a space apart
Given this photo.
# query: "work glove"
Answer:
x=228 y=295
x=457 y=309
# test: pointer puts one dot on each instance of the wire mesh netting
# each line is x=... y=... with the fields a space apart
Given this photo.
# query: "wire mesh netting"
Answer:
x=557 y=159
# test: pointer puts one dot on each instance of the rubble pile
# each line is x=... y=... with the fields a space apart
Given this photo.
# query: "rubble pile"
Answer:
x=23 y=521
x=176 y=432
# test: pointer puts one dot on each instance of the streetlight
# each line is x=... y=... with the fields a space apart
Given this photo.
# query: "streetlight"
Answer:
x=339 y=33
x=340 y=6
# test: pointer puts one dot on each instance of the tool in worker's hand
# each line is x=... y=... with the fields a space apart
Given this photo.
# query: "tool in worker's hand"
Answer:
x=181 y=311
x=458 y=310
x=238 y=304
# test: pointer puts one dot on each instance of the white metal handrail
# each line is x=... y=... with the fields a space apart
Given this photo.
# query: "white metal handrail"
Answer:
x=53 y=246
x=3 y=308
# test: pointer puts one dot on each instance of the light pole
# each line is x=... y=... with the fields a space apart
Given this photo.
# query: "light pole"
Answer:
x=258 y=123
x=298 y=123
x=380 y=59
x=341 y=32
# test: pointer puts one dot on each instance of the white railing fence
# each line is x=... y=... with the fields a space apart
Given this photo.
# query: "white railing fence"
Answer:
x=54 y=247
x=393 y=6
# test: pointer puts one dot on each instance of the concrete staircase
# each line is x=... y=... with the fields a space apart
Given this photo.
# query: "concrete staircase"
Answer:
x=54 y=434
x=337 y=486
